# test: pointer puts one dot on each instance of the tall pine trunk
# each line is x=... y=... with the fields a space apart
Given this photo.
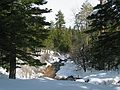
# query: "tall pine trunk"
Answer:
x=12 y=58
x=12 y=74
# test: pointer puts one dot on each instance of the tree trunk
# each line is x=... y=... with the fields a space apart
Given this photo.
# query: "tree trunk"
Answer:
x=12 y=74
x=12 y=58
x=84 y=64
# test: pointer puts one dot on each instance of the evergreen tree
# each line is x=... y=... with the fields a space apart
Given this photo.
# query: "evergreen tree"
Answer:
x=105 y=25
x=59 y=37
x=21 y=31
x=60 y=22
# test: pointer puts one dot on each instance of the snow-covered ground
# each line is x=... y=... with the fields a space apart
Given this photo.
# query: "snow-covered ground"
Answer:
x=29 y=79
x=68 y=69
x=46 y=56
x=101 y=80
x=91 y=76
x=45 y=84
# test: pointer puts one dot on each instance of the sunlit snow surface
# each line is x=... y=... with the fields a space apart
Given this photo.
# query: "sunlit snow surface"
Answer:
x=68 y=69
x=94 y=77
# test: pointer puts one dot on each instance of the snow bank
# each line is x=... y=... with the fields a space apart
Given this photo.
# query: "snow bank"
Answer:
x=93 y=76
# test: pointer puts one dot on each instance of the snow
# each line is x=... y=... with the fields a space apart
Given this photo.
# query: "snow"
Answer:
x=46 y=56
x=113 y=6
x=3 y=73
x=30 y=78
x=98 y=80
x=49 y=56
x=68 y=69
x=92 y=76
x=95 y=11
x=46 y=84
x=102 y=77
x=25 y=72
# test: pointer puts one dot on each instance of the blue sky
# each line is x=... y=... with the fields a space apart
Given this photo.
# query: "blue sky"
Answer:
x=68 y=7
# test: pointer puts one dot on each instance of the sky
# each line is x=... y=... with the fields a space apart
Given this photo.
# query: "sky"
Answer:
x=68 y=7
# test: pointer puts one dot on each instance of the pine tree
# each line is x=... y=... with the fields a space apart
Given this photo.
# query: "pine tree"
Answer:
x=59 y=36
x=22 y=31
x=105 y=25
x=60 y=22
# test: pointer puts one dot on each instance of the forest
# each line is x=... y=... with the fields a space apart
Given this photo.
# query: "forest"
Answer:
x=92 y=42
